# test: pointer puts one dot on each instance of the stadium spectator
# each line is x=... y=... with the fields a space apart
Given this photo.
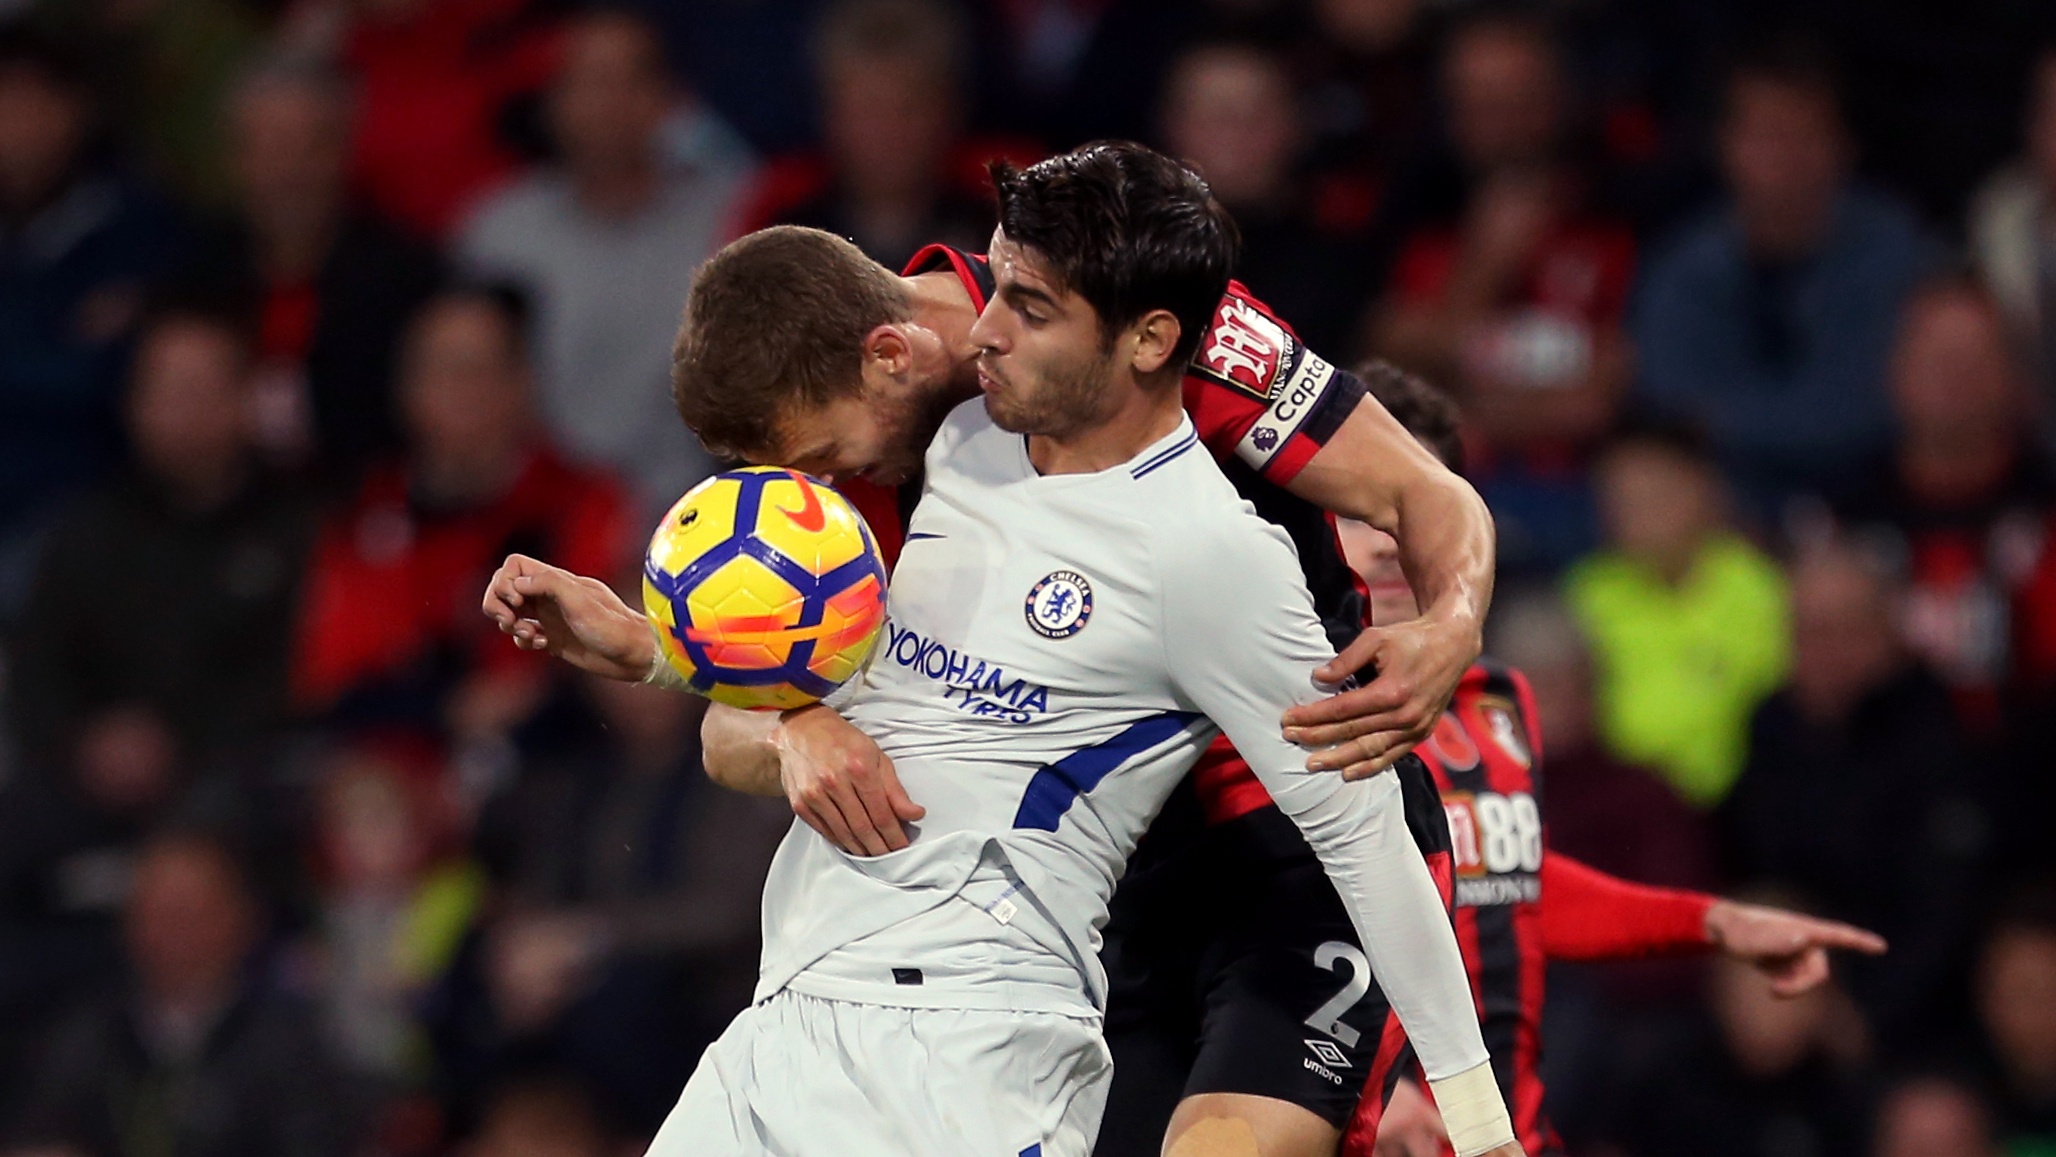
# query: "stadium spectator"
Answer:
x=388 y=625
x=541 y=1117
x=605 y=245
x=1861 y=751
x=1965 y=501
x=1933 y=1116
x=1231 y=111
x=164 y=69
x=1768 y=321
x=895 y=174
x=1686 y=619
x=396 y=894
x=2016 y=1006
x=1614 y=816
x=1065 y=72
x=78 y=245
x=1518 y=303
x=197 y=1056
x=2012 y=237
x=628 y=889
x=222 y=543
x=1762 y=1076
x=331 y=283
x=1370 y=66
x=439 y=83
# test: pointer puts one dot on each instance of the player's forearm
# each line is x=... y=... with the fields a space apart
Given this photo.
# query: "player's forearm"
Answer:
x=738 y=750
x=1359 y=832
x=1361 y=837
x=1447 y=546
x=1372 y=470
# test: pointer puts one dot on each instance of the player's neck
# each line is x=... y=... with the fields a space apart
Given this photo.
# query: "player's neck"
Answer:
x=943 y=307
x=1146 y=415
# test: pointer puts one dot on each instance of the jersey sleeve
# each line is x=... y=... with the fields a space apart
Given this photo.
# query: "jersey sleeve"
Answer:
x=1589 y=915
x=1256 y=392
x=1241 y=643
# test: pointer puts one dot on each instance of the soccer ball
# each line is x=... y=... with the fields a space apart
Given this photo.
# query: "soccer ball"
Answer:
x=767 y=586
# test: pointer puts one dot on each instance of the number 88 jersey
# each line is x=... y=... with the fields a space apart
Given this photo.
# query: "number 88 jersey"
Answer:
x=1486 y=757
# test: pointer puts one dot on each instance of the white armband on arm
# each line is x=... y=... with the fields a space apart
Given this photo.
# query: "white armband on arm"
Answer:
x=1473 y=1112
x=661 y=672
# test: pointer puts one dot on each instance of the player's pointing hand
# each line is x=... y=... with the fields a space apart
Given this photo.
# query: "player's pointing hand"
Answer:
x=1791 y=949
x=841 y=784
x=1364 y=731
x=580 y=620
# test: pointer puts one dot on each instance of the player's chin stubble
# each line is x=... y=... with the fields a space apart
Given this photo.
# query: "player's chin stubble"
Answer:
x=1068 y=399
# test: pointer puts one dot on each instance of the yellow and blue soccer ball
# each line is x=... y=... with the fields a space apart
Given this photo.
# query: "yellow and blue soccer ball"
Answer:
x=767 y=588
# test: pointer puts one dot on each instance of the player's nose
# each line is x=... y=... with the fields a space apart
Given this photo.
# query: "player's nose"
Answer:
x=985 y=331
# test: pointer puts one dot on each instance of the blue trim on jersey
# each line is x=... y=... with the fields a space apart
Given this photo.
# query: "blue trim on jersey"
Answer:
x=1034 y=1150
x=1053 y=788
x=1183 y=444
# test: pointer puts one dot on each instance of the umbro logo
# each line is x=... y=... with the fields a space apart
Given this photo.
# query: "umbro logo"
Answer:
x=1328 y=1054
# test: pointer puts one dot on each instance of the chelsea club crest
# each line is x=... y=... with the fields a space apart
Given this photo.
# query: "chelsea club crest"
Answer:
x=1059 y=606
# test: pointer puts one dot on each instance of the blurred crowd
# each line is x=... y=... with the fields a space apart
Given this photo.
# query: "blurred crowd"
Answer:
x=312 y=310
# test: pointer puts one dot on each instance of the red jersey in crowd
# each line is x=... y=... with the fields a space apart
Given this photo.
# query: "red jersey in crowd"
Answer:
x=392 y=581
x=432 y=91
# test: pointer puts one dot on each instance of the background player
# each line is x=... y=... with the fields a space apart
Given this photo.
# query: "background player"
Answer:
x=1200 y=613
x=1519 y=905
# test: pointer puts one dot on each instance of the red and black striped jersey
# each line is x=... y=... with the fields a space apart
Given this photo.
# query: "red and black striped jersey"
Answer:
x=1265 y=404
x=1486 y=756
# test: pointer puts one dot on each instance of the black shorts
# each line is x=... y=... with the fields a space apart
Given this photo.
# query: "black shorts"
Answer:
x=1234 y=968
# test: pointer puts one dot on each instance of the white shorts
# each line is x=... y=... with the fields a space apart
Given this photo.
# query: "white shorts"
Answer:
x=799 y=1076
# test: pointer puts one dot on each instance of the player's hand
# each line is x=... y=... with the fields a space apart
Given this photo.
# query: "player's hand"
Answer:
x=1362 y=732
x=1790 y=949
x=841 y=784
x=1410 y=1126
x=580 y=620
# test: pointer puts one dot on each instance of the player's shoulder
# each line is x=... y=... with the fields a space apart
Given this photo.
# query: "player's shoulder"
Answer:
x=1192 y=515
x=1246 y=347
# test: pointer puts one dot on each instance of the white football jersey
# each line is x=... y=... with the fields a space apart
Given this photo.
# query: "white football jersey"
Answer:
x=1059 y=651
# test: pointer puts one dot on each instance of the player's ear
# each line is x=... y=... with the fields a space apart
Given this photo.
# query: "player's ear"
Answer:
x=887 y=347
x=1156 y=339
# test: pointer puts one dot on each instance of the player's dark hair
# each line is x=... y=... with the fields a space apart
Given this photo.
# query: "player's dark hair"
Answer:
x=1126 y=228
x=1428 y=413
x=776 y=322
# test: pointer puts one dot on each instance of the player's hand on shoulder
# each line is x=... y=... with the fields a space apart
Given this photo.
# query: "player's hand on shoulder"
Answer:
x=1789 y=948
x=1363 y=731
x=841 y=784
x=578 y=619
